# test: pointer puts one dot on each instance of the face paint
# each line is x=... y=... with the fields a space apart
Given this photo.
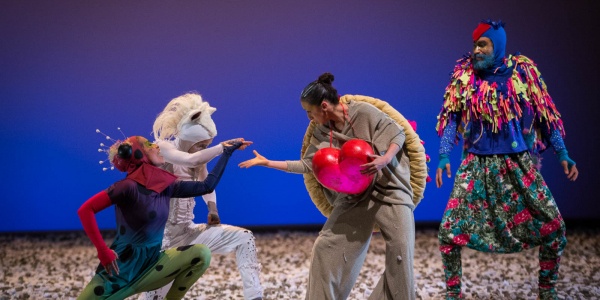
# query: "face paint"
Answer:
x=152 y=152
x=486 y=63
x=148 y=144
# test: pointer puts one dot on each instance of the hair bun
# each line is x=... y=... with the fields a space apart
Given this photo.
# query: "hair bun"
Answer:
x=326 y=78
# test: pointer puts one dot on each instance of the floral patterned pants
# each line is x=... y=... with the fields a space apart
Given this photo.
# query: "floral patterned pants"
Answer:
x=501 y=204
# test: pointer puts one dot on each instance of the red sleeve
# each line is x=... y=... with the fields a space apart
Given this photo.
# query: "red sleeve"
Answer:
x=88 y=219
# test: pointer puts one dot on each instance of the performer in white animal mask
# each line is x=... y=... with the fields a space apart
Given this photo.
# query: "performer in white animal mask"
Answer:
x=183 y=131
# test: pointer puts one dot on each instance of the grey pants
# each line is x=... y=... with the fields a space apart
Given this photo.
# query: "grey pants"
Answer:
x=340 y=250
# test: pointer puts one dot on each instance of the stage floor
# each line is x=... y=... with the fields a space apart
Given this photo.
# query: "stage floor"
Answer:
x=59 y=265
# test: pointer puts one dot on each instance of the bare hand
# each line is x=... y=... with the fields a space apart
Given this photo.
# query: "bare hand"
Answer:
x=213 y=219
x=245 y=143
x=438 y=175
x=571 y=175
x=378 y=163
x=259 y=160
x=112 y=266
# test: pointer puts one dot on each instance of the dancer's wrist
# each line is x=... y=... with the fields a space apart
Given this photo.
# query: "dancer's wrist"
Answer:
x=213 y=219
x=563 y=155
x=387 y=158
x=212 y=207
x=444 y=160
x=105 y=255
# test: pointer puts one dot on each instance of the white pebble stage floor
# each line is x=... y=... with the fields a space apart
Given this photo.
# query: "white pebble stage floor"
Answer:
x=59 y=264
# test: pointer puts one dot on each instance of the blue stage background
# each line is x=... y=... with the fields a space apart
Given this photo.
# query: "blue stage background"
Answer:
x=69 y=67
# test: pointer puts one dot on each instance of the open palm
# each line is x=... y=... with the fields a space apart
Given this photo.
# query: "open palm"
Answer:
x=259 y=160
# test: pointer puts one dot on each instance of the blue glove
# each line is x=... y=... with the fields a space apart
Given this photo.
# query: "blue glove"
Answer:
x=444 y=159
x=563 y=155
x=235 y=144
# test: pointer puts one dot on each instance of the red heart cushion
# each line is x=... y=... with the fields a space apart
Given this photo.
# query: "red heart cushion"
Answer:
x=339 y=170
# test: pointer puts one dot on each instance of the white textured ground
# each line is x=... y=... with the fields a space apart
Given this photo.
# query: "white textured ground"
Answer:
x=59 y=265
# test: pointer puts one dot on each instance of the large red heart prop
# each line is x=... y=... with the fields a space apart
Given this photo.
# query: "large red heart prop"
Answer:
x=339 y=170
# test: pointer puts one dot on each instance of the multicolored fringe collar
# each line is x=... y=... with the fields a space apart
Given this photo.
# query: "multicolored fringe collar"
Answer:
x=481 y=101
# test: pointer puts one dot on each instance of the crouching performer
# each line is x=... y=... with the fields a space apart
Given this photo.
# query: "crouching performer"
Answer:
x=134 y=262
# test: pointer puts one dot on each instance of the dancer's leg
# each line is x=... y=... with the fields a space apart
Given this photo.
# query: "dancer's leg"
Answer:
x=246 y=258
x=451 y=259
x=183 y=266
x=339 y=252
x=549 y=257
x=398 y=229
x=223 y=239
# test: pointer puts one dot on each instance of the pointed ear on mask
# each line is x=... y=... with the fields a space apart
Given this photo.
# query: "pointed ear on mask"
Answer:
x=196 y=116
x=211 y=110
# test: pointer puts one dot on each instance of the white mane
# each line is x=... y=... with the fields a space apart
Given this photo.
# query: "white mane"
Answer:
x=178 y=112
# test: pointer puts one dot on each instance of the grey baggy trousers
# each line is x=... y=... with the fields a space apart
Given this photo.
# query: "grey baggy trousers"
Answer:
x=340 y=250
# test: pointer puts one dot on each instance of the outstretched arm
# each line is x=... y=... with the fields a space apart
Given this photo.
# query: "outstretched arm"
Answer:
x=87 y=216
x=260 y=160
x=186 y=189
x=180 y=158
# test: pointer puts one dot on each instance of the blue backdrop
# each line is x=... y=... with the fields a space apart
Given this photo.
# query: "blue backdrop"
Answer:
x=69 y=67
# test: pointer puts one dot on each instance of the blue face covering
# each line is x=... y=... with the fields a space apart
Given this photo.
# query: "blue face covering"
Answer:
x=486 y=63
x=497 y=35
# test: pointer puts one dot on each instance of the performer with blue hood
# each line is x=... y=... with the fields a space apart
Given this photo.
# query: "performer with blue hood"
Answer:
x=500 y=202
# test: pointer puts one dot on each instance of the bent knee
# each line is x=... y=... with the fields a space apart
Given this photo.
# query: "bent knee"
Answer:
x=239 y=232
x=202 y=255
x=201 y=250
x=247 y=234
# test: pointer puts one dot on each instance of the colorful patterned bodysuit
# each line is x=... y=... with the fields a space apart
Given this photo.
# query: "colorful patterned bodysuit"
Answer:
x=141 y=217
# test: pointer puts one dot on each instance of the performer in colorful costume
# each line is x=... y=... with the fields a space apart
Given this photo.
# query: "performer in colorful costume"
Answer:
x=339 y=251
x=183 y=131
x=134 y=262
x=500 y=202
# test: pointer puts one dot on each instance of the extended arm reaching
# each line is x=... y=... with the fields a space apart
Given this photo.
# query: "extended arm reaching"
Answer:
x=180 y=158
x=302 y=166
x=260 y=160
x=186 y=189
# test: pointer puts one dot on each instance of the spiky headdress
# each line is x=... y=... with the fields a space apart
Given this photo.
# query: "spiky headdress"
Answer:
x=496 y=25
